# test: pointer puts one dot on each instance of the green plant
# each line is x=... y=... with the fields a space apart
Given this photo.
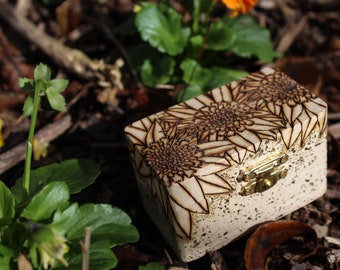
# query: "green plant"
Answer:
x=37 y=220
x=199 y=52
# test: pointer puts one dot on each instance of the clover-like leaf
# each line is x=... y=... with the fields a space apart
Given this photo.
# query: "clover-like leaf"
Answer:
x=28 y=105
x=56 y=100
x=26 y=84
x=58 y=85
x=53 y=196
x=7 y=204
x=42 y=72
x=162 y=28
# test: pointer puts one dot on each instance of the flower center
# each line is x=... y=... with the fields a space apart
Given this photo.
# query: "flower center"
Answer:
x=228 y=118
x=173 y=158
x=282 y=89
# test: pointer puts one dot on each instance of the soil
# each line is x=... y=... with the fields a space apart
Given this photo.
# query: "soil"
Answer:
x=311 y=56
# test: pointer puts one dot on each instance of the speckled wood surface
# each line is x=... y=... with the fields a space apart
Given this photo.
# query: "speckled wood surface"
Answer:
x=188 y=157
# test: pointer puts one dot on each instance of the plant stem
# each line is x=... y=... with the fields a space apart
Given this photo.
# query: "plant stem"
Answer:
x=28 y=156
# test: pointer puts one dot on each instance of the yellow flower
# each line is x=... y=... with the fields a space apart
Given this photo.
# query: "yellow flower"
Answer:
x=52 y=251
x=238 y=6
x=2 y=142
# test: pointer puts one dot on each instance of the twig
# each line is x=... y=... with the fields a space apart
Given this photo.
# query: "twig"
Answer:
x=85 y=248
x=291 y=33
x=334 y=130
x=71 y=59
x=334 y=116
x=47 y=134
x=217 y=261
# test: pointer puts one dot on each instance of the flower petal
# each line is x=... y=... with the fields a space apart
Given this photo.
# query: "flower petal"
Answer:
x=182 y=220
x=308 y=122
x=213 y=165
x=214 y=184
x=266 y=124
x=222 y=93
x=318 y=107
x=215 y=147
x=154 y=133
x=247 y=140
x=178 y=112
x=291 y=133
x=237 y=154
x=274 y=108
x=189 y=195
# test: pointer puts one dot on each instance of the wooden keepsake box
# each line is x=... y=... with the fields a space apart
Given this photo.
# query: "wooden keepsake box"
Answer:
x=211 y=168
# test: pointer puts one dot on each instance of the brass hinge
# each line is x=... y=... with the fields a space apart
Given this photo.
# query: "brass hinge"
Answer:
x=264 y=175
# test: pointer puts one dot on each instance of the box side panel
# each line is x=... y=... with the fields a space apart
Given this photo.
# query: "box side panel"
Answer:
x=187 y=159
x=232 y=216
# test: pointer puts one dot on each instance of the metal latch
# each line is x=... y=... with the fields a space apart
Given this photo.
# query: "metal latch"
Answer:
x=263 y=176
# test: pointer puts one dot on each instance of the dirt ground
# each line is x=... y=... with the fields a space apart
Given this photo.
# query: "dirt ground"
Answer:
x=306 y=32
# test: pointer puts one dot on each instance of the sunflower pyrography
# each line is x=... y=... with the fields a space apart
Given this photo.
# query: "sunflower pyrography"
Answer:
x=181 y=153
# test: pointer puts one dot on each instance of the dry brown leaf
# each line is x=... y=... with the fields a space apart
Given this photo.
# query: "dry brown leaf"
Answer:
x=23 y=263
x=270 y=235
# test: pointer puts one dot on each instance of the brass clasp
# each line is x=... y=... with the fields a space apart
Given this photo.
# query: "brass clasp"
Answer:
x=263 y=176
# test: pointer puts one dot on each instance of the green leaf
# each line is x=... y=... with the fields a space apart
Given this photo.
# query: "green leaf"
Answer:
x=162 y=28
x=77 y=173
x=26 y=84
x=42 y=233
x=42 y=72
x=221 y=37
x=5 y=251
x=190 y=92
x=58 y=85
x=106 y=222
x=7 y=205
x=6 y=255
x=151 y=266
x=251 y=39
x=220 y=76
x=193 y=73
x=28 y=105
x=101 y=258
x=53 y=196
x=157 y=71
x=5 y=263
x=56 y=100
x=204 y=79
x=63 y=221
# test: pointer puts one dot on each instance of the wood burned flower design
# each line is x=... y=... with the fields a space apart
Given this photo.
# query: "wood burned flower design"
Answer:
x=219 y=120
x=171 y=166
x=173 y=159
x=179 y=154
x=284 y=97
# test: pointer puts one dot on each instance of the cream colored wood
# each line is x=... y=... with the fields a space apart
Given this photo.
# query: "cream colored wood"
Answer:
x=187 y=159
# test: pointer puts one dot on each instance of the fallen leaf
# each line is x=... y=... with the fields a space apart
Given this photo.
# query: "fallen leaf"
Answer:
x=270 y=235
x=23 y=263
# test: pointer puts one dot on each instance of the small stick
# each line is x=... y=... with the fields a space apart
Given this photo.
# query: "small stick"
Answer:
x=47 y=134
x=217 y=261
x=72 y=59
x=292 y=33
x=85 y=248
x=334 y=116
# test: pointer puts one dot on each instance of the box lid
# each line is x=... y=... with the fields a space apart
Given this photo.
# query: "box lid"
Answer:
x=186 y=146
